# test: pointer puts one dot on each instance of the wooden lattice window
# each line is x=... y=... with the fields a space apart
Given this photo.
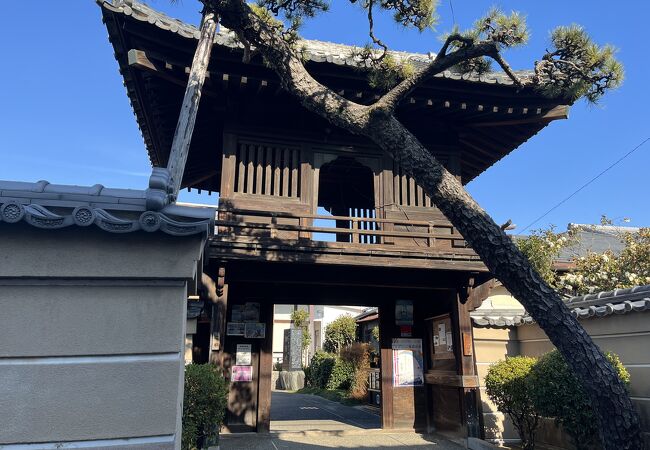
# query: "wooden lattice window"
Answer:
x=267 y=170
x=406 y=192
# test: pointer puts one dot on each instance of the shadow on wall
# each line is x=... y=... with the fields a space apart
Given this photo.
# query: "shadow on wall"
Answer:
x=287 y=246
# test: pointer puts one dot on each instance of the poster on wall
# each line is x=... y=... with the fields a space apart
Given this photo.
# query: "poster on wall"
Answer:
x=408 y=362
x=235 y=329
x=403 y=312
x=243 y=356
x=251 y=312
x=255 y=331
x=236 y=313
x=242 y=373
x=442 y=335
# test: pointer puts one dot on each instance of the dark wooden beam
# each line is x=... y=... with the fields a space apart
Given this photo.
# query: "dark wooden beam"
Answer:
x=480 y=148
x=557 y=113
x=139 y=59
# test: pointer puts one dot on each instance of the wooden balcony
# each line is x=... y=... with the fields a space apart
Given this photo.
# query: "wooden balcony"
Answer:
x=344 y=240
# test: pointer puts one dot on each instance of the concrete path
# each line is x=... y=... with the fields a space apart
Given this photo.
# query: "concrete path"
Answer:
x=341 y=440
x=303 y=412
x=300 y=421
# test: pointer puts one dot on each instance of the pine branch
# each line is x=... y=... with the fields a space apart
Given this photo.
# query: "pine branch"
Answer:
x=442 y=62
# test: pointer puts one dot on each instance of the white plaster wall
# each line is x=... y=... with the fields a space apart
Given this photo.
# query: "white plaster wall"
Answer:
x=278 y=338
x=331 y=313
x=92 y=331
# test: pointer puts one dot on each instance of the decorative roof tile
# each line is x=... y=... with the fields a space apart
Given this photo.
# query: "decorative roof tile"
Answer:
x=50 y=206
x=601 y=304
x=313 y=50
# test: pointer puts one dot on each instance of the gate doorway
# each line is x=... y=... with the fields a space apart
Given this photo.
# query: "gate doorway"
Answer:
x=421 y=319
x=336 y=394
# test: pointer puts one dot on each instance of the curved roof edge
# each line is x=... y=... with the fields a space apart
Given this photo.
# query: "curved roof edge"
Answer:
x=601 y=304
x=48 y=206
x=313 y=50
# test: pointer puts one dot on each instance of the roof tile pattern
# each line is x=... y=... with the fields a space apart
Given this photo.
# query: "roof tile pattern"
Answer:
x=51 y=206
x=601 y=304
x=313 y=50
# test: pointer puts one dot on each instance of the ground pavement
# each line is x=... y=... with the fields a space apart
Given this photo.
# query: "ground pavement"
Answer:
x=300 y=421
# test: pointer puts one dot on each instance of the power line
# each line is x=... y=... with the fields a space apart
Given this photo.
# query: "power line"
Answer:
x=585 y=185
x=453 y=17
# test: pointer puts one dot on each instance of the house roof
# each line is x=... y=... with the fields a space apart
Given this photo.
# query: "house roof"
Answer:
x=54 y=206
x=601 y=304
x=482 y=117
x=312 y=50
x=596 y=239
x=367 y=315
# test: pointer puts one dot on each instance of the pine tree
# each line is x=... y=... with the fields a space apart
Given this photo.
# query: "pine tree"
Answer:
x=574 y=67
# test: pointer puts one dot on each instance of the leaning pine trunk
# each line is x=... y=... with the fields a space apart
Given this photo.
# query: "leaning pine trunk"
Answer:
x=512 y=268
x=619 y=423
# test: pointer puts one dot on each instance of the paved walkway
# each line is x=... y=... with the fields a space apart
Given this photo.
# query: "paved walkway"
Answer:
x=300 y=421
x=303 y=412
x=342 y=440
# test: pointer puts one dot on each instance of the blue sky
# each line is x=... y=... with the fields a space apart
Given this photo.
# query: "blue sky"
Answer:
x=65 y=116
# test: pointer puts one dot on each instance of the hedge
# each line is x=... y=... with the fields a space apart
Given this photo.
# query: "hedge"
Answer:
x=557 y=393
x=204 y=404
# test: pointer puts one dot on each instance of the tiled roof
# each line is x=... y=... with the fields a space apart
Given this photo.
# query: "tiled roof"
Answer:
x=597 y=239
x=313 y=50
x=52 y=206
x=602 y=304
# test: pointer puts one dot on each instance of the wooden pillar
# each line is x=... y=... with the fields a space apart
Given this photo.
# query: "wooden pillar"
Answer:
x=190 y=106
x=218 y=320
x=386 y=326
x=464 y=344
x=265 y=371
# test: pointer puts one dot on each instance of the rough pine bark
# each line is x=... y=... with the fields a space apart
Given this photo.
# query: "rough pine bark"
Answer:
x=619 y=422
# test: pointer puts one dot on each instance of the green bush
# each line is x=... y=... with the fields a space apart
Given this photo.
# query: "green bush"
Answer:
x=342 y=375
x=204 y=404
x=508 y=384
x=320 y=369
x=308 y=375
x=339 y=333
x=557 y=393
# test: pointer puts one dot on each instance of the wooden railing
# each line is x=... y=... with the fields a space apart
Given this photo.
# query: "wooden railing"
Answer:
x=366 y=231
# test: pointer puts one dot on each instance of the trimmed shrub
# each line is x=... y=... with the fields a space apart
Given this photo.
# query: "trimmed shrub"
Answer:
x=320 y=369
x=342 y=375
x=204 y=404
x=558 y=394
x=508 y=384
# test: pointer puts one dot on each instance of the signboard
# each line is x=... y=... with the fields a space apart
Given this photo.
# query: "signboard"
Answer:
x=251 y=312
x=292 y=351
x=236 y=313
x=242 y=373
x=235 y=329
x=408 y=362
x=403 y=312
x=255 y=330
x=248 y=312
x=243 y=356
